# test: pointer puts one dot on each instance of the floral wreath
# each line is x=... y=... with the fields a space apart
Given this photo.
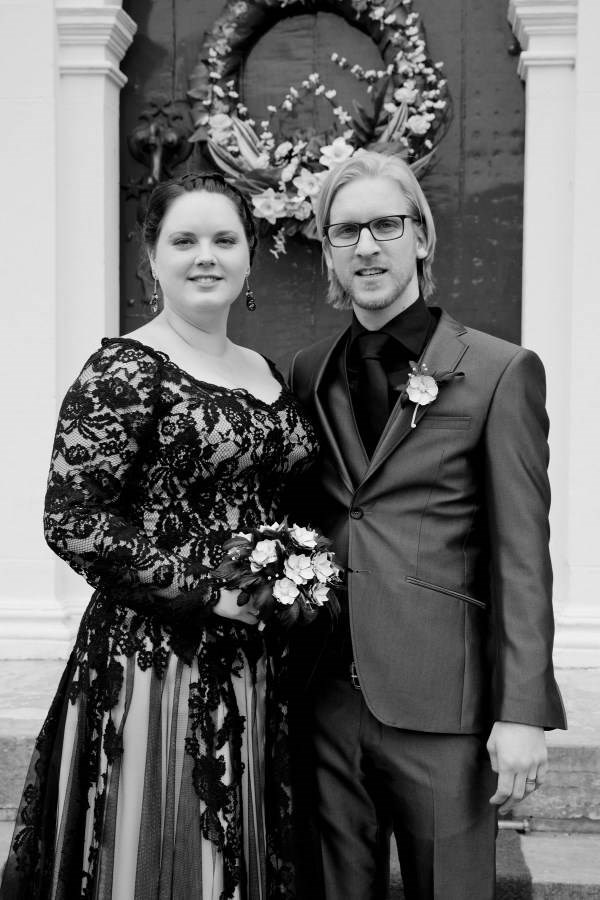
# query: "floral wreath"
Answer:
x=411 y=108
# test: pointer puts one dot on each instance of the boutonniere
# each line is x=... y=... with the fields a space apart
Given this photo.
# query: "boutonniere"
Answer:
x=423 y=388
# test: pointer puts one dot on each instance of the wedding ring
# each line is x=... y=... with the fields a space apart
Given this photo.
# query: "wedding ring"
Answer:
x=531 y=781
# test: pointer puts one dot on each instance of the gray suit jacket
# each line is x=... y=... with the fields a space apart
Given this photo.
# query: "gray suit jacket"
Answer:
x=445 y=535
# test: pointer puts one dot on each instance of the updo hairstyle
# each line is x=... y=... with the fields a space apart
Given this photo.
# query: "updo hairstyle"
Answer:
x=166 y=192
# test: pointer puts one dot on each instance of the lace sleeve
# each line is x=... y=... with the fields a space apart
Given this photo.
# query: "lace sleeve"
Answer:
x=105 y=423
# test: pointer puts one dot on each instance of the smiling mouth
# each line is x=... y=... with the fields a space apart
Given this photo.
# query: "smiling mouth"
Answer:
x=368 y=272
x=205 y=279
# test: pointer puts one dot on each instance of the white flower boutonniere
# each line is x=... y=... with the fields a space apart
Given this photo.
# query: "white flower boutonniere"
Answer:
x=422 y=388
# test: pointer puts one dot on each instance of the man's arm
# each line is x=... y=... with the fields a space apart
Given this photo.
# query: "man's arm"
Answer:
x=527 y=699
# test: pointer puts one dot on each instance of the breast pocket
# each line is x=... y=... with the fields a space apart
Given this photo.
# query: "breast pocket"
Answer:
x=455 y=423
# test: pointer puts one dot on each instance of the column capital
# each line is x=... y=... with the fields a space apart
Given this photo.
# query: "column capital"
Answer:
x=546 y=31
x=93 y=39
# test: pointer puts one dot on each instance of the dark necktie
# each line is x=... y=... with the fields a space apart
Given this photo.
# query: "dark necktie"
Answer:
x=373 y=387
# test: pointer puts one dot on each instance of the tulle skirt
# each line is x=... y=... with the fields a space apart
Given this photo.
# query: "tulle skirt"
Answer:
x=115 y=810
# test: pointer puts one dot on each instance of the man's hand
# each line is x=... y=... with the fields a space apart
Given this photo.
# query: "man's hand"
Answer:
x=518 y=754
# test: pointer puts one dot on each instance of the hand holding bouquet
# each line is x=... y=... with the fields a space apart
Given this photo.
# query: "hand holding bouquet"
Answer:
x=289 y=571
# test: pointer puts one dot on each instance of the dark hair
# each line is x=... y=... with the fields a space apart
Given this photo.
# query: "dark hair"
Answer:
x=166 y=192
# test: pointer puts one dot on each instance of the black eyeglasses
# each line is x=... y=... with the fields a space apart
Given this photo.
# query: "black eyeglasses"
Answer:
x=383 y=228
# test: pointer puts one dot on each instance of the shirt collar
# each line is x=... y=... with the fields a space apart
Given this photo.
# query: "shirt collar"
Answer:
x=409 y=328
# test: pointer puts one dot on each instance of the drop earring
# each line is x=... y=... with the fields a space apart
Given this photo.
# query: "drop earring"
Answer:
x=153 y=303
x=250 y=301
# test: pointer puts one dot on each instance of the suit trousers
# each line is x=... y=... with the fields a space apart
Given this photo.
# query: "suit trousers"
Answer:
x=430 y=790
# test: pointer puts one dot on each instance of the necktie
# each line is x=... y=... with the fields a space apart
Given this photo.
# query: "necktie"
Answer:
x=373 y=387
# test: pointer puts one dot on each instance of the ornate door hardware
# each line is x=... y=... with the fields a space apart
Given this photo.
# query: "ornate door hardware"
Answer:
x=160 y=141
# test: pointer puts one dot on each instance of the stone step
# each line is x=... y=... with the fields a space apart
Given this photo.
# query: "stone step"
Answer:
x=539 y=867
x=572 y=787
x=528 y=867
x=569 y=800
x=26 y=690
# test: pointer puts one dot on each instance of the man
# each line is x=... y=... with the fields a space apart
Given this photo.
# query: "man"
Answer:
x=431 y=695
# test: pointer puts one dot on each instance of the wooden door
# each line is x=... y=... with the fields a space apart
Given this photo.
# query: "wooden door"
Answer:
x=475 y=186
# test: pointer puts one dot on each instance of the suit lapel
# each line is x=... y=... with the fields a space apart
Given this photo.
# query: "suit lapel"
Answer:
x=443 y=354
x=332 y=405
x=337 y=399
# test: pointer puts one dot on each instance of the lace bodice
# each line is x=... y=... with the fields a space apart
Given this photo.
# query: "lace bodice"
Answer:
x=152 y=470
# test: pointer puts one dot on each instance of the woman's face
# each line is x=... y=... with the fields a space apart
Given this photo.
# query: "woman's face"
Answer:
x=201 y=255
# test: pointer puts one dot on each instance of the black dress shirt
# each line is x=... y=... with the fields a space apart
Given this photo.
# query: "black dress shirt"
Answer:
x=409 y=332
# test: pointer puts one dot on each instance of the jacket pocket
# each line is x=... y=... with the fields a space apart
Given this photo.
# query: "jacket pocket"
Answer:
x=443 y=590
x=454 y=422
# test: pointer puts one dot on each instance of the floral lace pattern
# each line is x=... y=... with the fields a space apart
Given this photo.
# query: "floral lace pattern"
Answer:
x=151 y=471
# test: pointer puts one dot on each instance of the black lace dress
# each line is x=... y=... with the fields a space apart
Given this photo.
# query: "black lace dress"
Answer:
x=160 y=771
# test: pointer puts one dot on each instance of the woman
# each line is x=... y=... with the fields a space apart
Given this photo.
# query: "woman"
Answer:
x=149 y=778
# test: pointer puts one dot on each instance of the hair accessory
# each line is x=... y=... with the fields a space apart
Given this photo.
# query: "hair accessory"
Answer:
x=250 y=301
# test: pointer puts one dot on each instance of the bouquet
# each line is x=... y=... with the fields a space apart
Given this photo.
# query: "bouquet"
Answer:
x=289 y=571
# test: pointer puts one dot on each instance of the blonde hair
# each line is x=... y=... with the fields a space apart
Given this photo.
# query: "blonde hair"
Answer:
x=368 y=164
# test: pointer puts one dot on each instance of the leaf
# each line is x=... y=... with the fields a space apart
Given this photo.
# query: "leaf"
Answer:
x=289 y=615
x=258 y=181
x=378 y=96
x=248 y=143
x=200 y=134
x=241 y=544
x=395 y=125
x=309 y=615
x=443 y=377
x=224 y=160
x=227 y=570
x=249 y=581
x=419 y=165
x=322 y=543
x=363 y=124
x=263 y=599
x=247 y=133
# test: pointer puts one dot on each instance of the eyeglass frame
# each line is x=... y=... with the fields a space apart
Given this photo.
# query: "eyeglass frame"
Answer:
x=367 y=225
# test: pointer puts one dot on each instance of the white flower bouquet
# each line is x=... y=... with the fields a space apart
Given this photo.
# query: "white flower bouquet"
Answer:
x=289 y=570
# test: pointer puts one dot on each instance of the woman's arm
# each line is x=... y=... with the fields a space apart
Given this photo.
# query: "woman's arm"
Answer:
x=105 y=422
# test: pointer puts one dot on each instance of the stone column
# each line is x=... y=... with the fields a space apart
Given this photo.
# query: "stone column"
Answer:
x=59 y=94
x=579 y=620
x=92 y=40
x=28 y=607
x=555 y=293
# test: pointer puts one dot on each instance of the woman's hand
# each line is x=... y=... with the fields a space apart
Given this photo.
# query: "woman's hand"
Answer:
x=228 y=608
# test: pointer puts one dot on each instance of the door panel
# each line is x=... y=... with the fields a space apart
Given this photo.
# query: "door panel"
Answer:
x=475 y=186
x=306 y=43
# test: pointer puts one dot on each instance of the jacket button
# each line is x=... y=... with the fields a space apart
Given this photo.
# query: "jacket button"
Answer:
x=356 y=512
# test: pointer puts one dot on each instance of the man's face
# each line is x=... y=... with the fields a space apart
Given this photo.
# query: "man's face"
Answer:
x=379 y=276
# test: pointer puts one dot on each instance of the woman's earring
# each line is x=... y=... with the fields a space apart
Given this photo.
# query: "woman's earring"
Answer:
x=250 y=301
x=153 y=303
